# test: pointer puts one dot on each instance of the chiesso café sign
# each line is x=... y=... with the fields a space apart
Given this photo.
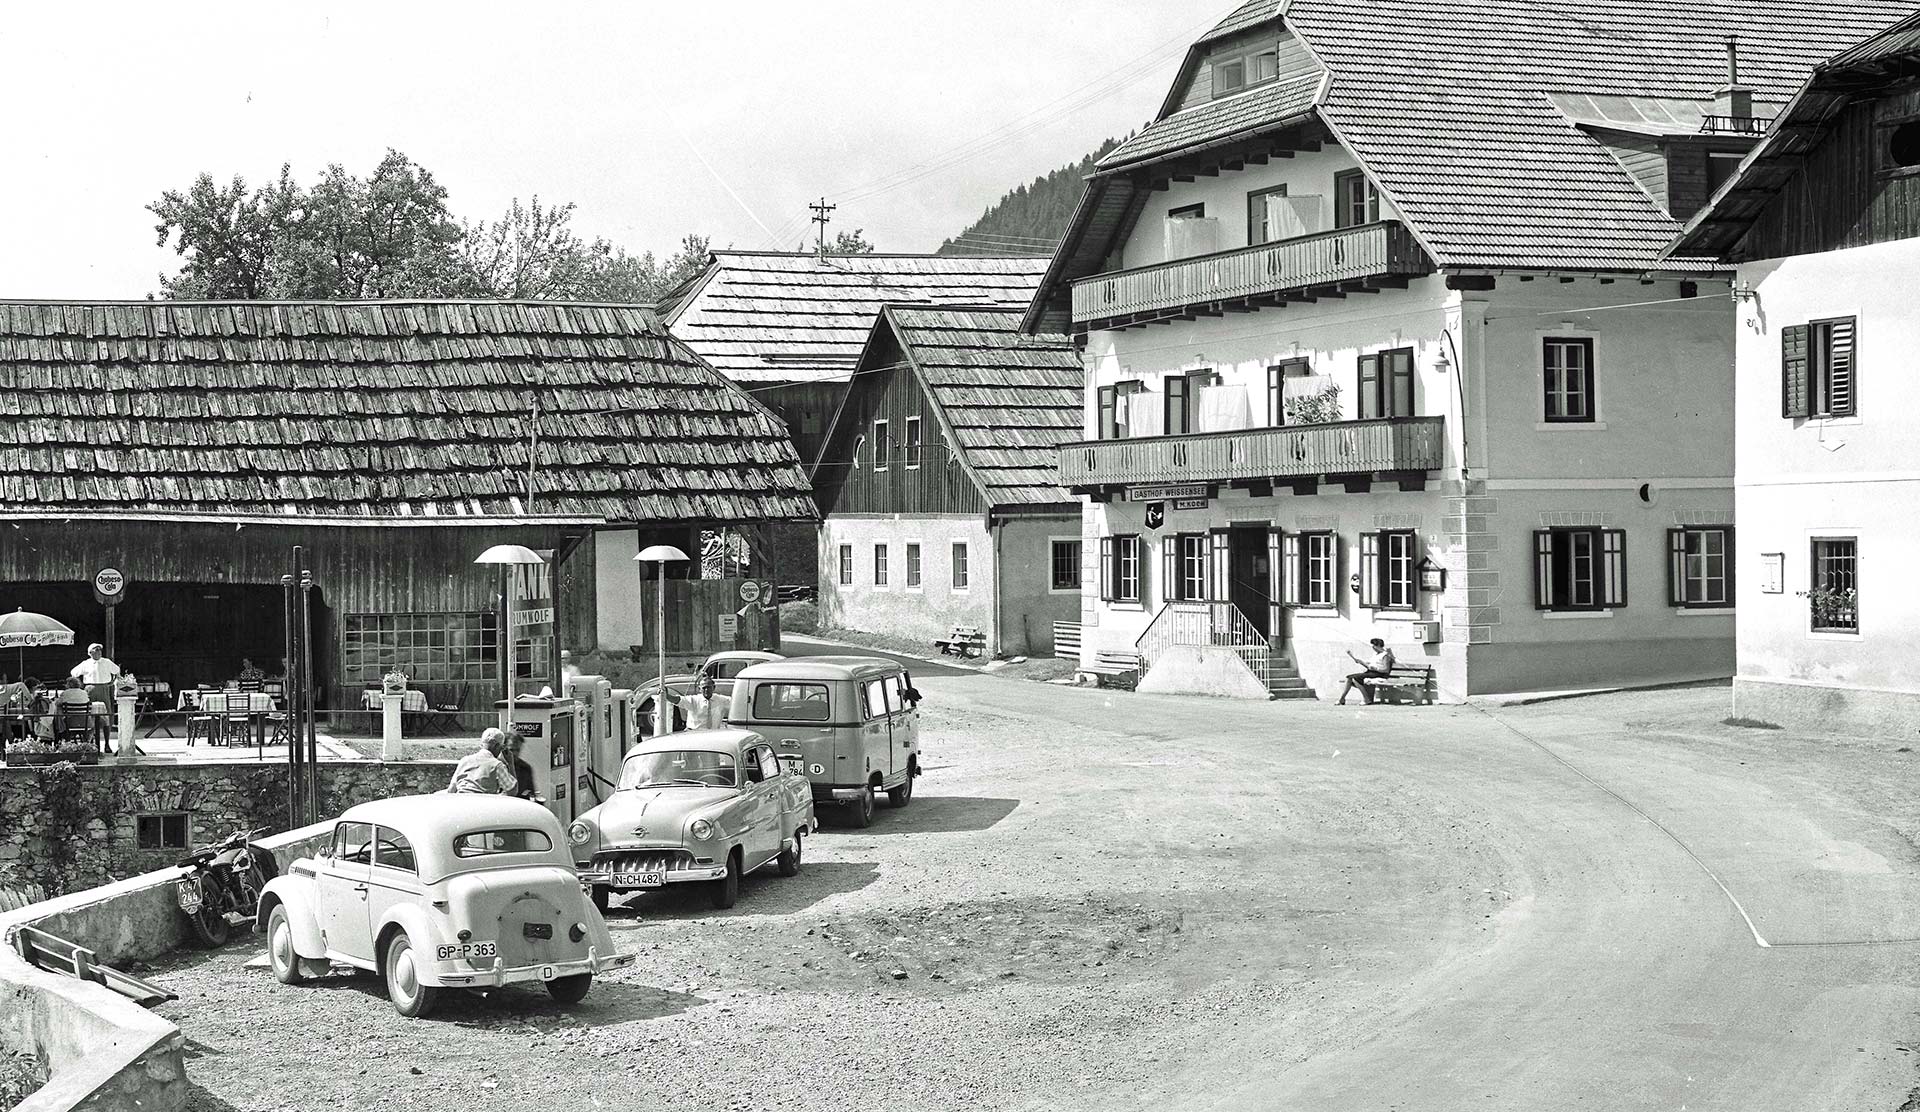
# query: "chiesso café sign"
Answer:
x=109 y=585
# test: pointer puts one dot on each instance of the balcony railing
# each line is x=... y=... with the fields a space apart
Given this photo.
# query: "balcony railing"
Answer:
x=1393 y=444
x=1735 y=125
x=1370 y=252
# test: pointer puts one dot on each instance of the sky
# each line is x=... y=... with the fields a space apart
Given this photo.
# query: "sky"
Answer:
x=656 y=119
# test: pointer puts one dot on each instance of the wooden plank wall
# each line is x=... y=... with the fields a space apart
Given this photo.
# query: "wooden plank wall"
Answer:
x=1292 y=58
x=1841 y=198
x=938 y=485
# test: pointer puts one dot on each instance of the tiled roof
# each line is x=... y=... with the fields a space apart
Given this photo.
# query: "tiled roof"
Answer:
x=774 y=317
x=420 y=409
x=1658 y=116
x=1447 y=104
x=1219 y=120
x=1250 y=14
x=1008 y=400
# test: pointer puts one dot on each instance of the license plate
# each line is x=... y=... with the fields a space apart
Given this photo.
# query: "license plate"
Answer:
x=640 y=880
x=466 y=950
x=188 y=896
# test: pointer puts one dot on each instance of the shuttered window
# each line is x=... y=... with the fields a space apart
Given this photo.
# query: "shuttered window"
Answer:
x=1579 y=569
x=1387 y=576
x=1184 y=574
x=1120 y=568
x=1386 y=384
x=1370 y=570
x=1818 y=371
x=1316 y=560
x=1795 y=397
x=1700 y=567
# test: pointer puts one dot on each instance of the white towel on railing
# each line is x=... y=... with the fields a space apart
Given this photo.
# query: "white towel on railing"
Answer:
x=1223 y=409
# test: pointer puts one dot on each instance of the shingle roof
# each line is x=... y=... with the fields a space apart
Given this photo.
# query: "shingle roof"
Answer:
x=377 y=409
x=1718 y=228
x=1008 y=400
x=775 y=317
x=1250 y=14
x=1220 y=120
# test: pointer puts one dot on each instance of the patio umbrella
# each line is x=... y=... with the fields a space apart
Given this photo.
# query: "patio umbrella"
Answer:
x=21 y=629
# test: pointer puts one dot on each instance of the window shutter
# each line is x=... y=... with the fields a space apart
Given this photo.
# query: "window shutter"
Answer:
x=1676 y=567
x=1795 y=391
x=1108 y=572
x=1369 y=400
x=1170 y=566
x=1370 y=570
x=1727 y=556
x=1613 y=568
x=1339 y=571
x=1276 y=580
x=1292 y=591
x=1840 y=368
x=1543 y=569
x=1220 y=581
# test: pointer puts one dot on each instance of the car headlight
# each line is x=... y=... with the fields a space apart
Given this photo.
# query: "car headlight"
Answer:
x=579 y=833
x=702 y=829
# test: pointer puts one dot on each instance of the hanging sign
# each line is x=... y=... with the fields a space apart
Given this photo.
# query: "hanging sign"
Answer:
x=538 y=616
x=750 y=590
x=109 y=586
x=1156 y=514
x=1162 y=491
x=1189 y=503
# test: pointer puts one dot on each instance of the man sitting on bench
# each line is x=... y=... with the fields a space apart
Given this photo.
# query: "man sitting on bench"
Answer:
x=1378 y=666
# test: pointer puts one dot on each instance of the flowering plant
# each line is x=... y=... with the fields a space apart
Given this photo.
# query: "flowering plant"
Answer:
x=394 y=682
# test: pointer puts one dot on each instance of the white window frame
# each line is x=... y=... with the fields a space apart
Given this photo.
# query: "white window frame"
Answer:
x=962 y=549
x=1079 y=565
x=911 y=447
x=846 y=565
x=880 y=446
x=913 y=567
x=882 y=568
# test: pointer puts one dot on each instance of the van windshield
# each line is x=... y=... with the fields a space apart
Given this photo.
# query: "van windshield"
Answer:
x=698 y=767
x=790 y=702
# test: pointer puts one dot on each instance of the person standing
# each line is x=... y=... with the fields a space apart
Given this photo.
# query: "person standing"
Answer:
x=1377 y=666
x=523 y=787
x=98 y=674
x=482 y=771
x=701 y=709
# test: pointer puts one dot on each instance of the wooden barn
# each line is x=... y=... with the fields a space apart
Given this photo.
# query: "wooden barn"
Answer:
x=940 y=482
x=191 y=445
x=788 y=327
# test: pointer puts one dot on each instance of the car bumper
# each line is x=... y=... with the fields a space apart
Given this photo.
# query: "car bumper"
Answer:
x=550 y=971
x=601 y=879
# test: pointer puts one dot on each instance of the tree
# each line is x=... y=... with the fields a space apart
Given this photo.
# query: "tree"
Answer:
x=846 y=243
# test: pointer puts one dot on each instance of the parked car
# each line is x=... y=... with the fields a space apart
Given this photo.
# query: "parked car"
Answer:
x=854 y=721
x=699 y=807
x=443 y=891
x=723 y=666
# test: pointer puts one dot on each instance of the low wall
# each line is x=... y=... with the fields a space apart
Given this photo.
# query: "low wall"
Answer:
x=1203 y=670
x=1828 y=708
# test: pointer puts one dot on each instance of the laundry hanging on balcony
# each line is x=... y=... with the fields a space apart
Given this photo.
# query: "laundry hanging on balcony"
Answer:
x=1222 y=409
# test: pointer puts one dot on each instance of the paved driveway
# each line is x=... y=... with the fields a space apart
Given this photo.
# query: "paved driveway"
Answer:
x=1105 y=900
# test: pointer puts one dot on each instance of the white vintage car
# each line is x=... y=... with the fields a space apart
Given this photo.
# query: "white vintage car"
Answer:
x=435 y=892
x=703 y=806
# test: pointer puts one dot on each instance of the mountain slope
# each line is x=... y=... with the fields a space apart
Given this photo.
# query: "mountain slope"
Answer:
x=1030 y=219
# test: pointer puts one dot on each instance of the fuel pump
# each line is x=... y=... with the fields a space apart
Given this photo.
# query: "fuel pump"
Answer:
x=598 y=755
x=623 y=732
x=547 y=731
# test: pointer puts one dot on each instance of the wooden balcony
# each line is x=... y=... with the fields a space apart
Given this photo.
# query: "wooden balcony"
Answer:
x=1363 y=259
x=1354 y=453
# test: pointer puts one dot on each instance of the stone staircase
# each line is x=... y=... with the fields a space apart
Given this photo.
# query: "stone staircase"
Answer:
x=1274 y=669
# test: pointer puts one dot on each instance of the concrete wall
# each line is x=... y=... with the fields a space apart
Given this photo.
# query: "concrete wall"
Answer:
x=69 y=832
x=919 y=613
x=1203 y=670
x=1028 y=604
x=1830 y=477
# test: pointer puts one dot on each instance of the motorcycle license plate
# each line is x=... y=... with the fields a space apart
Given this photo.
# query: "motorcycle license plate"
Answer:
x=187 y=895
x=466 y=950
x=640 y=880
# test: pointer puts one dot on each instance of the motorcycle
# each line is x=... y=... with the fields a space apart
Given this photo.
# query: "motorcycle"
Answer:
x=221 y=889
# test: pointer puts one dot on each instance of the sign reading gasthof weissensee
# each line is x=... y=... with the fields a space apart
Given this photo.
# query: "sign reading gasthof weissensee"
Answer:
x=1167 y=492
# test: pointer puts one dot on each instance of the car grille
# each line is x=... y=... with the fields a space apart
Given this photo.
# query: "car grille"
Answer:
x=643 y=861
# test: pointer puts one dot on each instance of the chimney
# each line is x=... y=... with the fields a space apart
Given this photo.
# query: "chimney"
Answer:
x=1733 y=99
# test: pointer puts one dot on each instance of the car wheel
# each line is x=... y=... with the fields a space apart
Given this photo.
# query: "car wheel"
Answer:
x=790 y=858
x=410 y=998
x=726 y=891
x=902 y=795
x=861 y=809
x=570 y=990
x=602 y=898
x=286 y=963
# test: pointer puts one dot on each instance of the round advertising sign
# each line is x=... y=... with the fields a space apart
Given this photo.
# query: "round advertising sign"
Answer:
x=109 y=584
x=750 y=591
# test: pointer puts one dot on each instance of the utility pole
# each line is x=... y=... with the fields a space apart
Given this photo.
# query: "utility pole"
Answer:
x=820 y=217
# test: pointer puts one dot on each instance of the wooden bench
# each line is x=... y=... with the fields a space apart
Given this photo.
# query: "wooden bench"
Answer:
x=963 y=641
x=1417 y=678
x=1123 y=666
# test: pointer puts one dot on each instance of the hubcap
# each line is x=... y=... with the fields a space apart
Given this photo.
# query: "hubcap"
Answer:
x=405 y=981
x=282 y=946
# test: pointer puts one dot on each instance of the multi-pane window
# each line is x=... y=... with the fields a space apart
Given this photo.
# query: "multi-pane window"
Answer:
x=879 y=565
x=429 y=648
x=1388 y=580
x=846 y=565
x=1120 y=568
x=1064 y=564
x=1277 y=377
x=1834 y=595
x=1579 y=569
x=1700 y=567
x=160 y=831
x=912 y=445
x=1230 y=75
x=1567 y=375
x=1185 y=574
x=1263 y=214
x=1310 y=563
x=1817 y=369
x=1355 y=200
x=1386 y=384
x=960 y=569
x=1113 y=409
x=913 y=567
x=881 y=449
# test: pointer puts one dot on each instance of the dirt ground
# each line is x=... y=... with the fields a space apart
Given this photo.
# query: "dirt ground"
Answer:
x=1107 y=900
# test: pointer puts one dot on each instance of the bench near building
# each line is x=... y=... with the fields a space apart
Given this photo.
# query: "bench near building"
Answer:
x=190 y=446
x=1370 y=351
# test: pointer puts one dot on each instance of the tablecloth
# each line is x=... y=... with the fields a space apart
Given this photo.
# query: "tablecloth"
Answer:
x=409 y=701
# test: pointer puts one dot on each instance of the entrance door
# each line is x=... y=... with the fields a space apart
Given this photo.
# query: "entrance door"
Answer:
x=1247 y=561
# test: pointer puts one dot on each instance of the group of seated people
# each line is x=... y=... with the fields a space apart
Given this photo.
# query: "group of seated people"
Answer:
x=41 y=713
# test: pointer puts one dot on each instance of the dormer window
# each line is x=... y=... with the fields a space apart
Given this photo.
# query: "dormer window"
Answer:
x=1232 y=74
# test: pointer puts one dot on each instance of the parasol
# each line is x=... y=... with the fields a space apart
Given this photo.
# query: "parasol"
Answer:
x=21 y=629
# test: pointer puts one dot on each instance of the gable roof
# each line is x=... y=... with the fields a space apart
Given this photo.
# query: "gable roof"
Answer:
x=792 y=317
x=391 y=410
x=1007 y=400
x=1864 y=69
x=1449 y=104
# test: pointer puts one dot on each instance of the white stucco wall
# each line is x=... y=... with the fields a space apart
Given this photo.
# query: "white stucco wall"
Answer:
x=619 y=613
x=1855 y=476
x=923 y=613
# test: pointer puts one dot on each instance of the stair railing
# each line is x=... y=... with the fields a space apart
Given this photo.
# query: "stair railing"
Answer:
x=1210 y=624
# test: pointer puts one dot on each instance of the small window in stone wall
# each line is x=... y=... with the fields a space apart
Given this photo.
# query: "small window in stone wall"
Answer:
x=164 y=831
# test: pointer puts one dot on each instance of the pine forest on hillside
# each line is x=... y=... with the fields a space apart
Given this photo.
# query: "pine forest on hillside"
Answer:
x=1031 y=219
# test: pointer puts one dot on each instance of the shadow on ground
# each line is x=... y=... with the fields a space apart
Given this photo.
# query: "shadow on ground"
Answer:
x=927 y=814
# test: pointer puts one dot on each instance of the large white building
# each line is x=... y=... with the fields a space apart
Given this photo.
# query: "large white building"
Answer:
x=1380 y=340
x=1823 y=222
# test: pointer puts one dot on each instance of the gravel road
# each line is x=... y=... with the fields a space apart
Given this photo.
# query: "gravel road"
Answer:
x=1106 y=900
